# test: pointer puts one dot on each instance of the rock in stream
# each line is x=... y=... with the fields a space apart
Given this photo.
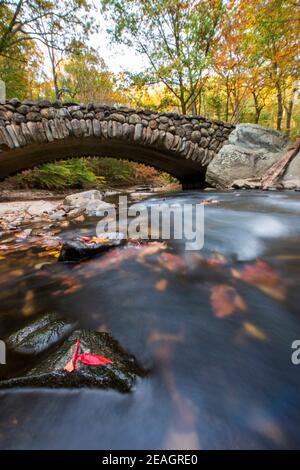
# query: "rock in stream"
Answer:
x=48 y=369
x=40 y=334
x=77 y=250
x=251 y=151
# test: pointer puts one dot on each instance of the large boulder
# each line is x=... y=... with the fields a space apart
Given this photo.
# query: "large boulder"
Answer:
x=82 y=199
x=250 y=152
x=39 y=208
x=257 y=138
x=89 y=202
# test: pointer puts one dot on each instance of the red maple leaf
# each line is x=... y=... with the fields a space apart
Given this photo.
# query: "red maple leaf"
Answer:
x=93 y=359
x=86 y=358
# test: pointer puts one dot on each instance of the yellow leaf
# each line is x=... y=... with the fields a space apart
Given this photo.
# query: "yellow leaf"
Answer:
x=252 y=330
x=99 y=240
x=161 y=285
x=54 y=253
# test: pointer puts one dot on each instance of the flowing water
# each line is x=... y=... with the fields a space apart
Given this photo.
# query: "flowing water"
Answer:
x=217 y=341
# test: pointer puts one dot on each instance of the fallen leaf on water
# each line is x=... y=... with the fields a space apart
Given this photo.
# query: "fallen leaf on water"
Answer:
x=172 y=262
x=4 y=247
x=263 y=277
x=84 y=239
x=41 y=265
x=161 y=285
x=28 y=307
x=54 y=253
x=113 y=259
x=209 y=201
x=225 y=300
x=16 y=273
x=65 y=223
x=98 y=240
x=156 y=337
x=216 y=259
x=252 y=330
x=80 y=218
x=151 y=249
x=71 y=283
x=21 y=236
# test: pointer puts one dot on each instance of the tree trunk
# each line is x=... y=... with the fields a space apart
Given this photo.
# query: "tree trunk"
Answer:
x=279 y=105
x=199 y=103
x=56 y=88
x=55 y=78
x=289 y=109
x=257 y=115
x=183 y=105
x=257 y=108
x=227 y=101
x=10 y=30
x=51 y=55
x=193 y=108
x=236 y=112
x=289 y=112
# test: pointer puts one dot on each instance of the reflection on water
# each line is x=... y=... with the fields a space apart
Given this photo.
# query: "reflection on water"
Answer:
x=214 y=327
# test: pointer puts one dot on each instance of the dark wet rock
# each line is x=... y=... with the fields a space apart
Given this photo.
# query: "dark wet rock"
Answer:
x=120 y=375
x=40 y=334
x=76 y=250
x=146 y=187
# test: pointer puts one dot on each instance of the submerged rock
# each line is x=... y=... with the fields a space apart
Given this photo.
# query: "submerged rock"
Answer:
x=49 y=372
x=76 y=250
x=40 y=334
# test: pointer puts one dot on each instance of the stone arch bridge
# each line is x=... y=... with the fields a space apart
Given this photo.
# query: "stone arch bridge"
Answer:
x=36 y=132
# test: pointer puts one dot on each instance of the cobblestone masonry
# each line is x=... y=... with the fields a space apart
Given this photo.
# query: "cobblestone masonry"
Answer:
x=35 y=132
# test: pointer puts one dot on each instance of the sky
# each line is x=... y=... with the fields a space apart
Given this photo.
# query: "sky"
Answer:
x=118 y=58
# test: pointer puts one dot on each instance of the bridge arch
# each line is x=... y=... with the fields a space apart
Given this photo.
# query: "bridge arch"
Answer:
x=32 y=133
